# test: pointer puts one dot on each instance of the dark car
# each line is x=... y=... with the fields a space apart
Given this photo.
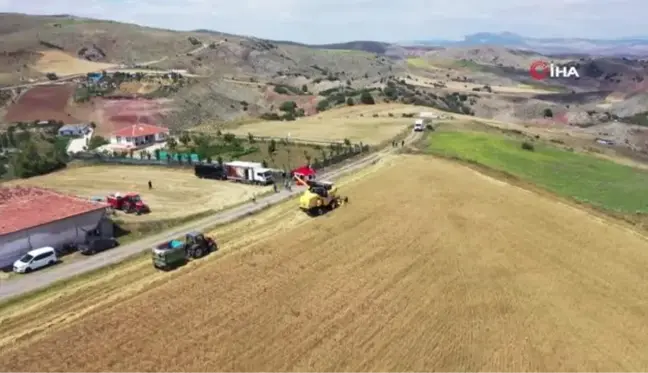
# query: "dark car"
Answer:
x=96 y=245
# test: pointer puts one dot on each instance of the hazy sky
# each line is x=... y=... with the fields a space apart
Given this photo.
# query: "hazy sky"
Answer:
x=320 y=21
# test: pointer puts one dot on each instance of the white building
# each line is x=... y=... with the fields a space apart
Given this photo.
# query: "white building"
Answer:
x=139 y=135
x=31 y=218
x=74 y=130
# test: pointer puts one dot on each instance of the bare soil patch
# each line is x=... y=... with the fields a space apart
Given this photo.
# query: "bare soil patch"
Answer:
x=43 y=102
x=456 y=272
x=113 y=114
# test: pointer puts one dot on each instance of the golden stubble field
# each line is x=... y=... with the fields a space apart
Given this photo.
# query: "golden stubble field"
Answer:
x=468 y=87
x=176 y=193
x=356 y=123
x=61 y=63
x=431 y=267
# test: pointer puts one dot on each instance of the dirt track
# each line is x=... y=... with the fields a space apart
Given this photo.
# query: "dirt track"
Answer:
x=450 y=271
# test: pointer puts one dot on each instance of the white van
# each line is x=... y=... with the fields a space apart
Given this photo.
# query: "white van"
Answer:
x=35 y=259
x=418 y=125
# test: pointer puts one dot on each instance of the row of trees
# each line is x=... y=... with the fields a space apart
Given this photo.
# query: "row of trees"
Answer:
x=30 y=154
x=32 y=149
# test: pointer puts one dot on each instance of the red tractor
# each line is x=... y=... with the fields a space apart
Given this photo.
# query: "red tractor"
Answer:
x=129 y=203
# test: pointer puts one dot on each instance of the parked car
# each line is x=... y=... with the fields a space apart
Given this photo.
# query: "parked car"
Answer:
x=35 y=259
x=96 y=245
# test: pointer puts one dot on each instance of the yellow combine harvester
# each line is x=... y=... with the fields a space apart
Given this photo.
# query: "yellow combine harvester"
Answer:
x=321 y=196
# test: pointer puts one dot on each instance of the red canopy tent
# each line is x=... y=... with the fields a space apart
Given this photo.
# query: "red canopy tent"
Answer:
x=305 y=173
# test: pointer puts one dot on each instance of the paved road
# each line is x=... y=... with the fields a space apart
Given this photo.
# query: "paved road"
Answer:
x=23 y=284
x=77 y=144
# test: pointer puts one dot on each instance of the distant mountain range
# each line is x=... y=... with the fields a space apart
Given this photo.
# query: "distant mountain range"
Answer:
x=630 y=47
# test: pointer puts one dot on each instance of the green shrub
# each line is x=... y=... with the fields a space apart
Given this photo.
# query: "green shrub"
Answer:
x=366 y=98
x=528 y=146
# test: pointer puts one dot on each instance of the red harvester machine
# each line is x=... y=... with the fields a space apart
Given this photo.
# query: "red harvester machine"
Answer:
x=129 y=203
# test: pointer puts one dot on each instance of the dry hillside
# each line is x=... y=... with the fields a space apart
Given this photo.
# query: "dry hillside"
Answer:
x=237 y=77
x=233 y=70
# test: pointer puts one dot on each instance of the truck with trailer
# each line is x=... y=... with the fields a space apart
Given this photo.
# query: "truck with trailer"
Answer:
x=210 y=171
x=248 y=172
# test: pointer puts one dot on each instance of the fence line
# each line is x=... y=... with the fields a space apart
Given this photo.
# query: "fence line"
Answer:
x=189 y=160
x=298 y=140
x=294 y=140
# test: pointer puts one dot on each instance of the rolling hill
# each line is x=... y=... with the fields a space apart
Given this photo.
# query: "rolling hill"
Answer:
x=628 y=47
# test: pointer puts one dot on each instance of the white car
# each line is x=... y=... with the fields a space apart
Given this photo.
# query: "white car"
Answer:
x=35 y=259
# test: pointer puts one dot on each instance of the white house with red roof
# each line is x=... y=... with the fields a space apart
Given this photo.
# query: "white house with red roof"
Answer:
x=139 y=135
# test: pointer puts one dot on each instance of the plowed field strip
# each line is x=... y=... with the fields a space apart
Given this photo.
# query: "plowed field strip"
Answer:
x=429 y=268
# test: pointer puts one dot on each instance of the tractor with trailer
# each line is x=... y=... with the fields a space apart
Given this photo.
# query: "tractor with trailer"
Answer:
x=129 y=203
x=320 y=197
x=175 y=253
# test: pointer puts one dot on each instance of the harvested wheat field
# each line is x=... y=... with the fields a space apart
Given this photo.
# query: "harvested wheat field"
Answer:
x=63 y=64
x=176 y=192
x=468 y=87
x=356 y=123
x=454 y=271
x=137 y=87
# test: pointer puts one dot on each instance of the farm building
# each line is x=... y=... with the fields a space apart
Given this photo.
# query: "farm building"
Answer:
x=74 y=130
x=94 y=77
x=139 y=135
x=31 y=218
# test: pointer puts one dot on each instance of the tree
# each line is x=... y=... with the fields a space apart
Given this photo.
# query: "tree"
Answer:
x=366 y=98
x=4 y=140
x=304 y=88
x=350 y=101
x=251 y=139
x=288 y=106
x=548 y=113
x=97 y=141
x=322 y=105
x=171 y=143
x=219 y=160
x=32 y=160
x=185 y=139
x=272 y=147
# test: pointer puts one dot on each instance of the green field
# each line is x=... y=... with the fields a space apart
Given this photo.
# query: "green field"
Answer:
x=585 y=178
x=418 y=62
